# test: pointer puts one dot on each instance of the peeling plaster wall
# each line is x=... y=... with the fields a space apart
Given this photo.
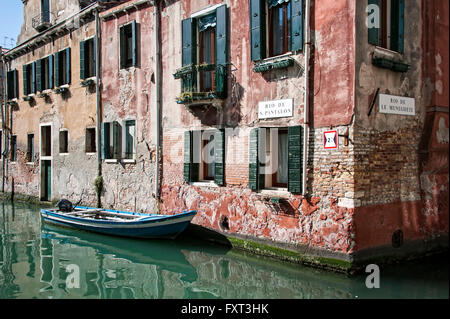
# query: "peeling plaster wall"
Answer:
x=323 y=219
x=129 y=94
x=389 y=149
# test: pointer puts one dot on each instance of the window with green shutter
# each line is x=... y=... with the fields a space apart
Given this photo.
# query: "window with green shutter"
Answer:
x=276 y=27
x=386 y=25
x=204 y=69
x=111 y=136
x=45 y=73
x=62 y=67
x=130 y=139
x=87 y=59
x=275 y=158
x=128 y=45
x=12 y=84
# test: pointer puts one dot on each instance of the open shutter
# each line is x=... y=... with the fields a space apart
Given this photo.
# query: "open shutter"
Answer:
x=397 y=25
x=134 y=43
x=57 y=69
x=117 y=139
x=33 y=77
x=189 y=48
x=26 y=84
x=187 y=156
x=295 y=163
x=219 y=161
x=221 y=51
x=68 y=66
x=296 y=25
x=82 y=60
x=122 y=58
x=257 y=29
x=16 y=83
x=253 y=160
x=105 y=140
x=39 y=75
x=50 y=71
x=374 y=34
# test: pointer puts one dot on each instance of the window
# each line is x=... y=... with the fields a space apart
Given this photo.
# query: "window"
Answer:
x=12 y=84
x=204 y=156
x=90 y=140
x=63 y=142
x=45 y=11
x=277 y=32
x=128 y=45
x=130 y=139
x=46 y=140
x=13 y=154
x=62 y=67
x=204 y=54
x=386 y=24
x=111 y=140
x=44 y=73
x=276 y=158
x=30 y=148
x=87 y=59
x=29 y=78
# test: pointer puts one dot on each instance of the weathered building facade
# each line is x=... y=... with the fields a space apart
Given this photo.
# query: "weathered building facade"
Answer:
x=320 y=127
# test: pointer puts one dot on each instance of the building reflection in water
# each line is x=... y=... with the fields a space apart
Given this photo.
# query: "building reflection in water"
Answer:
x=35 y=261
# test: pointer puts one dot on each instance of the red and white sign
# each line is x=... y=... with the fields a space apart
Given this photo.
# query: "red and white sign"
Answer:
x=330 y=140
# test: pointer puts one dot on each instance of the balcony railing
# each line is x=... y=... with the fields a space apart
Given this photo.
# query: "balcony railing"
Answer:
x=41 y=21
x=189 y=76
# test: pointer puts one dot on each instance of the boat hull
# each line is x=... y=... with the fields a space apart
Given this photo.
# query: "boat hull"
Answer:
x=154 y=226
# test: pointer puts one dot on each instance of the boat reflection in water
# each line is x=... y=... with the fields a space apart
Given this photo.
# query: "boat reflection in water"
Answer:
x=44 y=261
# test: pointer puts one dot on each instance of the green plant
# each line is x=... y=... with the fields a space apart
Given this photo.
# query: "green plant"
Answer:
x=98 y=184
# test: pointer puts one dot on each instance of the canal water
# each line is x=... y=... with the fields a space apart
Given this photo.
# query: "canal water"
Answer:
x=41 y=261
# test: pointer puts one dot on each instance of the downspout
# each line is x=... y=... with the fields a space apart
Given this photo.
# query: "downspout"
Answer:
x=306 y=88
x=3 y=106
x=99 y=110
x=158 y=95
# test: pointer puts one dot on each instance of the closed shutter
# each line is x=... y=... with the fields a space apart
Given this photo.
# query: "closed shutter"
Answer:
x=82 y=60
x=374 y=34
x=50 y=71
x=221 y=52
x=295 y=155
x=189 y=54
x=187 y=156
x=122 y=48
x=39 y=75
x=16 y=83
x=57 y=69
x=257 y=29
x=68 y=66
x=297 y=25
x=219 y=161
x=255 y=179
x=94 y=57
x=134 y=42
x=26 y=84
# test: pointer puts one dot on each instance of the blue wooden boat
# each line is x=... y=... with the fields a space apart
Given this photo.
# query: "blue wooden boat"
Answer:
x=120 y=223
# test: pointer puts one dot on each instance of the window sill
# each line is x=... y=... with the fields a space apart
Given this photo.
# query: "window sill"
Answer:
x=387 y=59
x=63 y=154
x=29 y=163
x=204 y=184
x=277 y=62
x=46 y=158
x=128 y=161
x=91 y=153
x=89 y=81
x=111 y=161
x=276 y=192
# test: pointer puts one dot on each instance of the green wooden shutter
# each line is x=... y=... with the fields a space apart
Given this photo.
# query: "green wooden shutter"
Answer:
x=122 y=58
x=57 y=69
x=117 y=139
x=50 y=71
x=295 y=163
x=374 y=34
x=221 y=52
x=397 y=25
x=26 y=84
x=68 y=66
x=296 y=25
x=82 y=60
x=189 y=47
x=16 y=83
x=33 y=77
x=39 y=75
x=187 y=156
x=258 y=29
x=105 y=140
x=253 y=177
x=94 y=56
x=134 y=43
x=219 y=161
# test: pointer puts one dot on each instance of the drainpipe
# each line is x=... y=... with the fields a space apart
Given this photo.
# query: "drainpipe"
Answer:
x=97 y=91
x=3 y=106
x=306 y=88
x=158 y=94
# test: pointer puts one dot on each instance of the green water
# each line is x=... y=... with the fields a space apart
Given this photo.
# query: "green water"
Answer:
x=41 y=261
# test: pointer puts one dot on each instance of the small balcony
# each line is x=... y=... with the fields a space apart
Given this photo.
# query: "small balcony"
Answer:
x=41 y=21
